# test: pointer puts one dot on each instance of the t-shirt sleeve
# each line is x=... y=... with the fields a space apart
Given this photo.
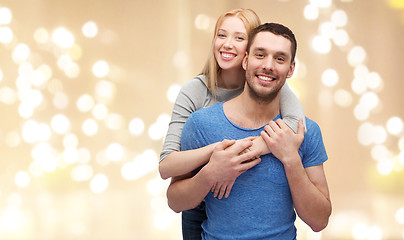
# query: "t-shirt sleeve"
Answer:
x=313 y=149
x=190 y=98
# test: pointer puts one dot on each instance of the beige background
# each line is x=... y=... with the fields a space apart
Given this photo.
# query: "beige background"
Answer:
x=112 y=190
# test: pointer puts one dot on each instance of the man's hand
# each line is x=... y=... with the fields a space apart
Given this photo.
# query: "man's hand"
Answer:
x=229 y=159
x=282 y=141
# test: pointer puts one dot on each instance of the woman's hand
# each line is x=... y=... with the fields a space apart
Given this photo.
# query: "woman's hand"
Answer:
x=234 y=158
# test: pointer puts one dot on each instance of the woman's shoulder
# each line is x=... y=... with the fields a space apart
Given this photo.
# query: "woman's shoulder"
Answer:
x=197 y=82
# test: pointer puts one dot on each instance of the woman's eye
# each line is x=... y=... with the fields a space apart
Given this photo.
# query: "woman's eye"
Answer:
x=240 y=38
x=221 y=35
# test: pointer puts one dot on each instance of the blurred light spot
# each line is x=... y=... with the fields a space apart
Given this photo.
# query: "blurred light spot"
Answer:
x=172 y=92
x=84 y=155
x=64 y=61
x=70 y=155
x=343 y=98
x=136 y=126
x=202 y=22
x=114 y=121
x=360 y=231
x=325 y=99
x=102 y=159
x=385 y=166
x=356 y=56
x=330 y=77
x=156 y=187
x=374 y=81
x=361 y=113
x=380 y=152
x=398 y=4
x=46 y=158
x=22 y=179
x=99 y=183
x=60 y=124
x=5 y=16
x=141 y=165
x=401 y=144
x=105 y=90
x=100 y=111
x=8 y=95
x=369 y=100
x=180 y=59
x=339 y=18
x=159 y=129
x=340 y=37
x=365 y=136
x=100 y=69
x=321 y=44
x=327 y=29
x=41 y=75
x=310 y=12
x=41 y=35
x=81 y=173
x=54 y=86
x=62 y=37
x=25 y=110
x=85 y=103
x=33 y=97
x=72 y=70
x=12 y=218
x=44 y=132
x=394 y=125
x=115 y=151
x=89 y=127
x=1 y=75
x=358 y=85
x=70 y=141
x=399 y=216
x=6 y=35
x=379 y=135
x=321 y=3
x=13 y=139
x=163 y=221
x=30 y=131
x=60 y=100
x=21 y=53
x=75 y=52
x=90 y=29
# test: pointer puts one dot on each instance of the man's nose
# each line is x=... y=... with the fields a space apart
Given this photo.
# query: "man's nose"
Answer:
x=268 y=64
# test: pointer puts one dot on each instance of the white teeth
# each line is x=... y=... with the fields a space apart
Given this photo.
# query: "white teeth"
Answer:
x=227 y=55
x=265 y=78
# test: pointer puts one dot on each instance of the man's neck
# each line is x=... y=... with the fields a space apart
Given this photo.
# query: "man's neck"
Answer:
x=247 y=112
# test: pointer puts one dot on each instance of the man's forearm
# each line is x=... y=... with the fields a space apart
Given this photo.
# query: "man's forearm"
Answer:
x=186 y=193
x=310 y=196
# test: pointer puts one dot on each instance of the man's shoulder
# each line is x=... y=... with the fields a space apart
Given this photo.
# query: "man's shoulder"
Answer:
x=312 y=126
x=211 y=110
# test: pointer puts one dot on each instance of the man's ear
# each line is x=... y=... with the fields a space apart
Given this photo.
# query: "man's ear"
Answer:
x=291 y=69
x=245 y=61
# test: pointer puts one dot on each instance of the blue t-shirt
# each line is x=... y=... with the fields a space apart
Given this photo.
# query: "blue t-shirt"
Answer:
x=260 y=204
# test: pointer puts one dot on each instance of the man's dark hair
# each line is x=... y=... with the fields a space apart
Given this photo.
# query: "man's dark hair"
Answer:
x=277 y=29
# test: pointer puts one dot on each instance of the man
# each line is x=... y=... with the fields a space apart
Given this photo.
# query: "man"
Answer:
x=264 y=198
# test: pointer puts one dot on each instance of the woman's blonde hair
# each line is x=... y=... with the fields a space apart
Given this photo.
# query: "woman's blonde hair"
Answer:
x=211 y=68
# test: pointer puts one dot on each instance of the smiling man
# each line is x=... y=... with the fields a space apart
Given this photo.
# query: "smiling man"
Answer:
x=290 y=180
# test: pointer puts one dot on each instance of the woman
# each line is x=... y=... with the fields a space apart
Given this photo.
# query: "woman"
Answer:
x=222 y=78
